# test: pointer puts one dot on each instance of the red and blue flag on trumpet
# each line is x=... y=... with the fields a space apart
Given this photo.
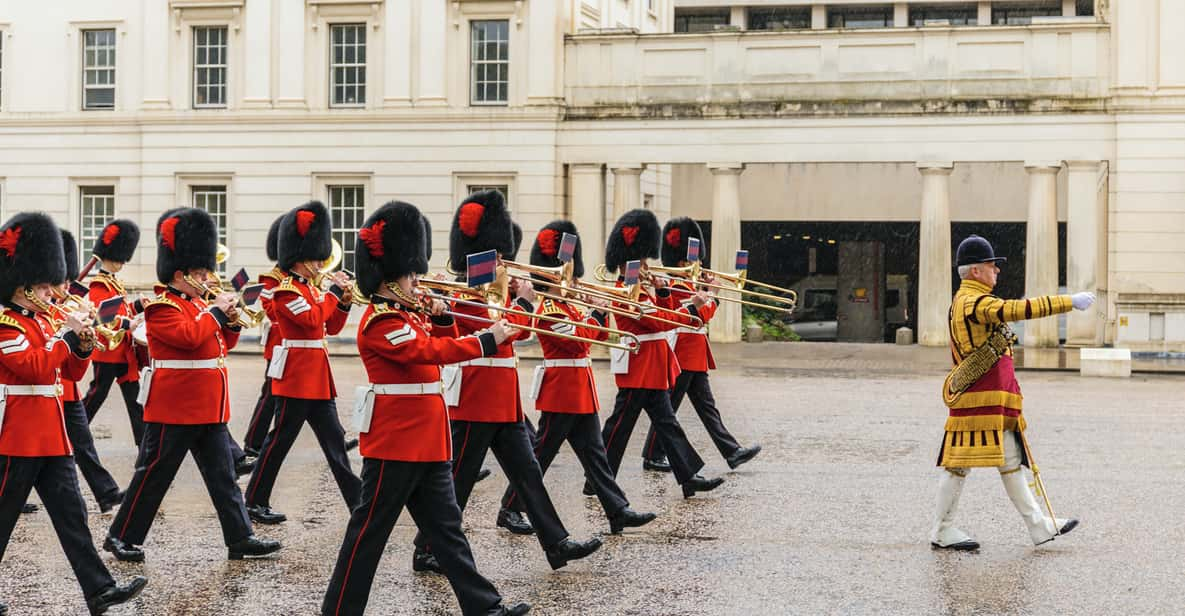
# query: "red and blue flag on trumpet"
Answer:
x=481 y=267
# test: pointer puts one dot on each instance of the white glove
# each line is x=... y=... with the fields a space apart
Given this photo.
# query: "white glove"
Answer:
x=1082 y=300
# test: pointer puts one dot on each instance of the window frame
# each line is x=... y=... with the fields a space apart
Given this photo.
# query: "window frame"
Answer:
x=347 y=236
x=804 y=11
x=84 y=188
x=320 y=191
x=1025 y=14
x=113 y=68
x=700 y=12
x=887 y=10
x=462 y=182
x=222 y=219
x=360 y=68
x=919 y=14
x=474 y=63
x=195 y=67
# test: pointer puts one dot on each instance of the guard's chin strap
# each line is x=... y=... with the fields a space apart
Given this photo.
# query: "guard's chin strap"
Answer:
x=32 y=298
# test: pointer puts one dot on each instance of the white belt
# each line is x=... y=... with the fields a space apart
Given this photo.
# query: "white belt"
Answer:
x=491 y=362
x=405 y=389
x=703 y=331
x=317 y=343
x=188 y=364
x=46 y=391
x=652 y=337
x=583 y=362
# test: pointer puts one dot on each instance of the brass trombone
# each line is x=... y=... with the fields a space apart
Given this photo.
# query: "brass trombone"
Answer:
x=248 y=317
x=107 y=338
x=629 y=342
x=737 y=282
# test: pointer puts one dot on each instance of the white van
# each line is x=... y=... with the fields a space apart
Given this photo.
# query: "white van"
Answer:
x=815 y=316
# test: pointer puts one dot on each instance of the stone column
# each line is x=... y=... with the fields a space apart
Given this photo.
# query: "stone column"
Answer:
x=627 y=188
x=586 y=187
x=934 y=255
x=726 y=240
x=433 y=67
x=1086 y=242
x=1041 y=248
x=257 y=42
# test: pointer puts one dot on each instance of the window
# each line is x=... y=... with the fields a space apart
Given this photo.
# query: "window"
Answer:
x=1023 y=15
x=860 y=17
x=98 y=69
x=700 y=20
x=955 y=15
x=489 y=58
x=1084 y=8
x=780 y=18
x=213 y=200
x=347 y=208
x=347 y=65
x=96 y=207
x=209 y=66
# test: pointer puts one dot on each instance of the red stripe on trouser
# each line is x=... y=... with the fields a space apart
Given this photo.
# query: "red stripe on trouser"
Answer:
x=160 y=446
x=255 y=413
x=612 y=433
x=461 y=454
x=346 y=579
x=275 y=437
x=537 y=448
x=7 y=463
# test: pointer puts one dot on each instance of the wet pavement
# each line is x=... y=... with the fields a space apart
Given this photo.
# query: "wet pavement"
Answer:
x=830 y=519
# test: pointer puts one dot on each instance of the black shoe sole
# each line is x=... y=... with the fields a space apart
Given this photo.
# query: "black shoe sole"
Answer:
x=559 y=562
x=616 y=529
x=733 y=464
x=647 y=465
x=963 y=546
x=136 y=590
x=426 y=569
x=1071 y=525
x=517 y=530
x=241 y=555
x=688 y=492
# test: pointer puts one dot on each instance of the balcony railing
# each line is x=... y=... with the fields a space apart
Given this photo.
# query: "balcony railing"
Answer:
x=996 y=69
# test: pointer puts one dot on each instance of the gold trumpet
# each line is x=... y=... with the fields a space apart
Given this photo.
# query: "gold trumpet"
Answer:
x=629 y=342
x=248 y=317
x=107 y=338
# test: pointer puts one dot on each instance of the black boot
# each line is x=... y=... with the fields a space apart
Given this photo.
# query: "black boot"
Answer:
x=265 y=515
x=588 y=489
x=742 y=455
x=351 y=444
x=514 y=522
x=252 y=546
x=244 y=466
x=518 y=609
x=656 y=464
x=108 y=504
x=483 y=474
x=123 y=551
x=30 y=508
x=3 y=610
x=700 y=484
x=423 y=560
x=116 y=595
x=253 y=453
x=628 y=518
x=568 y=550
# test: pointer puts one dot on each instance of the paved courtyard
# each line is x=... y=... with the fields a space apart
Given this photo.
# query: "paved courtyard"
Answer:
x=830 y=519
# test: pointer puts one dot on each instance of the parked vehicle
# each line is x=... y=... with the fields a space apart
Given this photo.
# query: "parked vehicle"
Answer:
x=815 y=317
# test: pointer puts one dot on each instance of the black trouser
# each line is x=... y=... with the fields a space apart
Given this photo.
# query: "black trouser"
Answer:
x=78 y=430
x=426 y=488
x=697 y=387
x=512 y=447
x=583 y=433
x=165 y=446
x=57 y=485
x=261 y=417
x=96 y=394
x=291 y=415
x=685 y=462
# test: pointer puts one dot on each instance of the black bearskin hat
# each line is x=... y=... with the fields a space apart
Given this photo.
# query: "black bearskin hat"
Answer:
x=273 y=238
x=480 y=224
x=391 y=244
x=30 y=253
x=70 y=251
x=546 y=249
x=305 y=234
x=516 y=233
x=634 y=237
x=674 y=241
x=186 y=239
x=118 y=241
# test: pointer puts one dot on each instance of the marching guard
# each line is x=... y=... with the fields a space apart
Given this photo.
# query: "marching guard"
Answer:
x=186 y=391
x=565 y=394
x=986 y=427
x=103 y=486
x=485 y=408
x=35 y=449
x=265 y=406
x=117 y=364
x=302 y=381
x=644 y=381
x=405 y=437
x=694 y=353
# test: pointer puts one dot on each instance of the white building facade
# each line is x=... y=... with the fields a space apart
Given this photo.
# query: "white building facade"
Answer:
x=1061 y=121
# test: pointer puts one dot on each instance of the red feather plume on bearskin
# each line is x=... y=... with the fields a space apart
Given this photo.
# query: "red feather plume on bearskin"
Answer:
x=110 y=233
x=674 y=237
x=549 y=242
x=304 y=220
x=372 y=236
x=470 y=218
x=9 y=239
x=168 y=233
x=629 y=235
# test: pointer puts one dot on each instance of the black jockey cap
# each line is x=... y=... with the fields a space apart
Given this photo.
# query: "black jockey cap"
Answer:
x=974 y=250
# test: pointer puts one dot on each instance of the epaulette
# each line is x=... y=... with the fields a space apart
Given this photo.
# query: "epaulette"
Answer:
x=377 y=311
x=287 y=285
x=275 y=274
x=8 y=321
x=550 y=307
x=161 y=300
x=109 y=282
x=683 y=284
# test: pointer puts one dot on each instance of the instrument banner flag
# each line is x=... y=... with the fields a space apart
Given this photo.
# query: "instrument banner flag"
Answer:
x=109 y=309
x=632 y=270
x=251 y=294
x=567 y=248
x=480 y=268
x=692 y=249
x=78 y=289
x=742 y=260
x=240 y=279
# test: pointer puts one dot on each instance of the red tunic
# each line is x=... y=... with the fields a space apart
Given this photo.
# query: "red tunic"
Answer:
x=31 y=355
x=104 y=287
x=692 y=347
x=183 y=328
x=489 y=394
x=305 y=313
x=567 y=389
x=401 y=347
x=270 y=281
x=654 y=366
